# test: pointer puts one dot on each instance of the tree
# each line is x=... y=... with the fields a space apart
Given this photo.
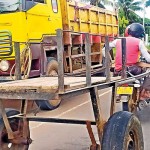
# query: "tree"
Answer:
x=99 y=3
x=123 y=22
x=127 y=15
x=106 y=2
x=129 y=7
x=147 y=4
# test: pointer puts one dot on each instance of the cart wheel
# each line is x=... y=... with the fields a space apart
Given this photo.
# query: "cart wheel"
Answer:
x=5 y=143
x=52 y=70
x=123 y=131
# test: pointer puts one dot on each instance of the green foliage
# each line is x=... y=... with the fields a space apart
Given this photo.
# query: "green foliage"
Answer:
x=127 y=13
x=148 y=41
x=134 y=18
x=147 y=3
x=129 y=6
x=147 y=20
x=148 y=47
x=123 y=22
x=147 y=31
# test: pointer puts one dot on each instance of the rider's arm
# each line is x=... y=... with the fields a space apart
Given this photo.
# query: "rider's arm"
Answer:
x=111 y=45
x=144 y=51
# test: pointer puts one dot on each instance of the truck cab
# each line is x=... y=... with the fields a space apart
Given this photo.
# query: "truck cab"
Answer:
x=29 y=22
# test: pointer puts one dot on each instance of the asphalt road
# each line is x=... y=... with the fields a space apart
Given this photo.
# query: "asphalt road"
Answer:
x=144 y=117
x=52 y=136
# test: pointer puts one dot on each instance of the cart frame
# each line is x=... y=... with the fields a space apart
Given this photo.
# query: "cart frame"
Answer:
x=31 y=94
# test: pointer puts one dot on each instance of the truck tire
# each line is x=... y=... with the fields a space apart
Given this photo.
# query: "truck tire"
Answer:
x=52 y=67
x=123 y=131
x=52 y=70
x=5 y=144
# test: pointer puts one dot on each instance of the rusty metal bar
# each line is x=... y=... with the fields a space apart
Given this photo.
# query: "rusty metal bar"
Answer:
x=23 y=106
x=94 y=99
x=88 y=124
x=113 y=99
x=56 y=120
x=129 y=80
x=27 y=95
x=94 y=145
x=88 y=59
x=60 y=51
x=123 y=44
x=25 y=128
x=70 y=58
x=107 y=59
x=5 y=119
x=17 y=61
x=42 y=60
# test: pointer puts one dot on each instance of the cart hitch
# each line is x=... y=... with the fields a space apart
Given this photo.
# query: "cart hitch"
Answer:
x=21 y=140
x=94 y=145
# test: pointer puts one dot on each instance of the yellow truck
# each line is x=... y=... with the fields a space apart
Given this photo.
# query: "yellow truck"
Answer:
x=33 y=24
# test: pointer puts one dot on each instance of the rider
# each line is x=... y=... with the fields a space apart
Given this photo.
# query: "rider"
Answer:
x=126 y=31
x=134 y=49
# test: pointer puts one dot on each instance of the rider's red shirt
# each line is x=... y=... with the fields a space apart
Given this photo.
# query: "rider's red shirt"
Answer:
x=132 y=52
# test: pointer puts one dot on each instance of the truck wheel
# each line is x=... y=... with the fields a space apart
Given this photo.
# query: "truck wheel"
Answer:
x=52 y=67
x=123 y=131
x=5 y=143
x=52 y=70
x=48 y=104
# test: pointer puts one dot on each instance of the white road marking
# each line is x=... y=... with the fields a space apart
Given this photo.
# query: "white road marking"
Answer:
x=69 y=110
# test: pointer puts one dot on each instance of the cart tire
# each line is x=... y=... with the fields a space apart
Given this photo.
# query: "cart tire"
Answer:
x=123 y=131
x=5 y=144
x=52 y=70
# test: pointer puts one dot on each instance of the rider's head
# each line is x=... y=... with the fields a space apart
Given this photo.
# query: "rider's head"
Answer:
x=136 y=30
x=126 y=31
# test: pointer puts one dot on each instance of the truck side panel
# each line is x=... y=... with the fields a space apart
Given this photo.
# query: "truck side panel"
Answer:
x=80 y=17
